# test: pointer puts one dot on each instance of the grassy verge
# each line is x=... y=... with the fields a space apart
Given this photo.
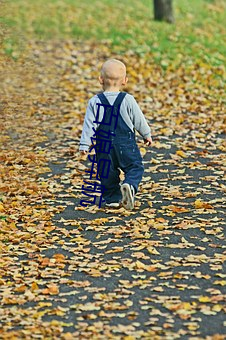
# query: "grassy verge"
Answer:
x=197 y=33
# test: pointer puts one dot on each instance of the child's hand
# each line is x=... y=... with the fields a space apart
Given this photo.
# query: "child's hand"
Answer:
x=148 y=141
x=83 y=152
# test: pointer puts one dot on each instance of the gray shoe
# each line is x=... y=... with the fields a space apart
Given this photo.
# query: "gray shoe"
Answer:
x=128 y=194
x=113 y=205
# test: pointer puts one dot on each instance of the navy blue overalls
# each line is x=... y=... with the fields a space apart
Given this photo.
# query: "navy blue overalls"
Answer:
x=124 y=153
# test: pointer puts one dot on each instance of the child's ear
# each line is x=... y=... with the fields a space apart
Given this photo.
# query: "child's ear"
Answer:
x=125 y=81
x=101 y=80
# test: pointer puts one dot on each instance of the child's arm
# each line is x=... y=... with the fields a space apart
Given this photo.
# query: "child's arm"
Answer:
x=140 y=123
x=87 y=131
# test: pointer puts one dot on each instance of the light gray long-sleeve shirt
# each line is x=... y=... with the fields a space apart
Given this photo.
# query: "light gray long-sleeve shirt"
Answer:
x=129 y=110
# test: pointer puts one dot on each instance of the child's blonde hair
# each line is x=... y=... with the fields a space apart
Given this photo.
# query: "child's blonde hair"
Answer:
x=113 y=71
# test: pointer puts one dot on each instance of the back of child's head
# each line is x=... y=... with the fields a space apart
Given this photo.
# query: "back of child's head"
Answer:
x=113 y=71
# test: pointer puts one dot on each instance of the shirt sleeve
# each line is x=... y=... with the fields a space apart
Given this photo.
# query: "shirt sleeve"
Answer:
x=138 y=120
x=87 y=131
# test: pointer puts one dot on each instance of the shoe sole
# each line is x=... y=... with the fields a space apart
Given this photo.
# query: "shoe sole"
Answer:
x=113 y=205
x=127 y=197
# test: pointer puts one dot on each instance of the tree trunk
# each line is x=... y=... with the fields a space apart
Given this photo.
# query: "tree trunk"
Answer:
x=163 y=10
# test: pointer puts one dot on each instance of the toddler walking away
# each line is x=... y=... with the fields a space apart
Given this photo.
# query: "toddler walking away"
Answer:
x=125 y=117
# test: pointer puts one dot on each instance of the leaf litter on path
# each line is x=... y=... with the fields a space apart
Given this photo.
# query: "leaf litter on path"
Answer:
x=74 y=272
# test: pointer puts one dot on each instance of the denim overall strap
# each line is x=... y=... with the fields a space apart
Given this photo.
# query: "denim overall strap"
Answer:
x=116 y=109
x=117 y=101
x=116 y=105
x=118 y=126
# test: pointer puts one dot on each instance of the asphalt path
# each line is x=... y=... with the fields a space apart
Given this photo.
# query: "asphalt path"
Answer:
x=156 y=272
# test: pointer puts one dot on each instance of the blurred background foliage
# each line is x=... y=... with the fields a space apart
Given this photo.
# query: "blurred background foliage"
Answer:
x=198 y=31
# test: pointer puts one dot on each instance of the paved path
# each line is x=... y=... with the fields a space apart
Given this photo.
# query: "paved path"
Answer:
x=153 y=273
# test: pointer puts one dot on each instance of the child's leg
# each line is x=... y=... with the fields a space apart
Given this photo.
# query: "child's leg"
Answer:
x=130 y=162
x=112 y=191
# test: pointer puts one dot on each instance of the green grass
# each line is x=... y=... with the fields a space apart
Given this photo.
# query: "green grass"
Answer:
x=198 y=31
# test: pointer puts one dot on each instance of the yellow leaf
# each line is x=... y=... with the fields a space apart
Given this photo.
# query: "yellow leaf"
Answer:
x=53 y=289
x=44 y=304
x=155 y=161
x=193 y=326
x=187 y=305
x=20 y=289
x=38 y=315
x=100 y=221
x=1 y=208
x=217 y=308
x=78 y=239
x=59 y=257
x=143 y=151
x=115 y=250
x=199 y=204
x=181 y=154
x=222 y=282
x=55 y=323
x=67 y=336
x=34 y=286
x=153 y=251
x=160 y=227
x=140 y=265
x=158 y=289
x=204 y=299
